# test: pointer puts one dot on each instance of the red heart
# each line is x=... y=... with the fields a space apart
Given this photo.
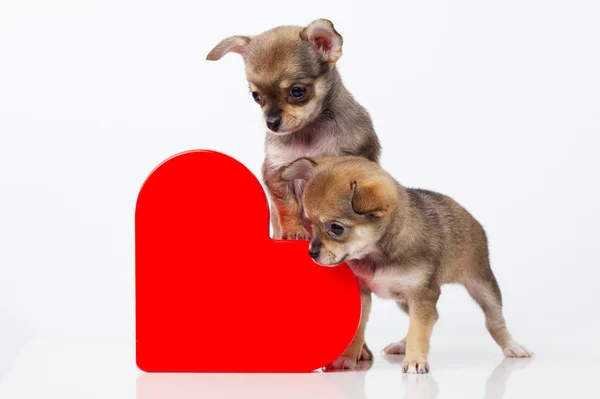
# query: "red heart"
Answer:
x=214 y=293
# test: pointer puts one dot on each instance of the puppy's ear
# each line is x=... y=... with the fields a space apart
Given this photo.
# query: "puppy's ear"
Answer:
x=324 y=38
x=300 y=169
x=233 y=44
x=370 y=198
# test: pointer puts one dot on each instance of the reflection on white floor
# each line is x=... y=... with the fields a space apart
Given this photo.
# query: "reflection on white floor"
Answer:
x=334 y=385
x=106 y=369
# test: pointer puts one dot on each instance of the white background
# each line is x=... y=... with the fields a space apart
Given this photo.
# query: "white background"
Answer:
x=496 y=104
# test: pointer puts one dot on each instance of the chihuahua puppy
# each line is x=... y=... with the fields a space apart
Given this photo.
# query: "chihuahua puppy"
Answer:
x=402 y=244
x=308 y=112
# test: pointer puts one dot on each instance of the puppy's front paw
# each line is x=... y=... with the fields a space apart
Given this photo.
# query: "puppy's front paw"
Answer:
x=396 y=348
x=295 y=234
x=415 y=366
x=349 y=359
x=366 y=353
x=515 y=349
x=342 y=363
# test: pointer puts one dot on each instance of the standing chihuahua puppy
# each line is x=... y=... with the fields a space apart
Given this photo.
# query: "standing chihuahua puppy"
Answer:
x=402 y=244
x=308 y=111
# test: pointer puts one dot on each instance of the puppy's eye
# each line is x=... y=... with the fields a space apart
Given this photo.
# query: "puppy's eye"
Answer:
x=297 y=91
x=336 y=230
x=257 y=97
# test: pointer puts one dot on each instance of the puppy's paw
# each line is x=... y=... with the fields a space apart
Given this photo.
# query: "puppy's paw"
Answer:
x=366 y=353
x=342 y=363
x=415 y=366
x=515 y=349
x=295 y=234
x=396 y=348
x=350 y=359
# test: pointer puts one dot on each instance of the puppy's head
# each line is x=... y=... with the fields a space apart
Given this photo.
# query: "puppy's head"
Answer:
x=289 y=71
x=349 y=202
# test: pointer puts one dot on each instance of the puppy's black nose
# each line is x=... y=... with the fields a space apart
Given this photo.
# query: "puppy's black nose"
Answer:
x=273 y=122
x=314 y=249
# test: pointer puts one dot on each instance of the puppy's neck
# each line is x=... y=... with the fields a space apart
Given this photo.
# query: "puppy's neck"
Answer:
x=404 y=236
x=396 y=241
x=366 y=266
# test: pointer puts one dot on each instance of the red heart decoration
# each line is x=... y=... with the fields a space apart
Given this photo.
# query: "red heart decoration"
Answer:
x=214 y=293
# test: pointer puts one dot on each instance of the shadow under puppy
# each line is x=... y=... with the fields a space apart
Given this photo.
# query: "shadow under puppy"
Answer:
x=402 y=244
x=292 y=74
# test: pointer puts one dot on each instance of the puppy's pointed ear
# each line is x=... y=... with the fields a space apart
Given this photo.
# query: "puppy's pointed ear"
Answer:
x=233 y=44
x=324 y=38
x=370 y=198
x=300 y=169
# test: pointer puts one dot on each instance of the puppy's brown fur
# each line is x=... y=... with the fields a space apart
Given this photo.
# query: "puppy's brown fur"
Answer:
x=402 y=244
x=325 y=120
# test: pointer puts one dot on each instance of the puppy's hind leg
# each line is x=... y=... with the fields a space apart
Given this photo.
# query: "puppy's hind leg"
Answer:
x=485 y=291
x=275 y=222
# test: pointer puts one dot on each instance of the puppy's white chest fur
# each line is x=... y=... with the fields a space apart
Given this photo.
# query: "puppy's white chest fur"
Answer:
x=283 y=155
x=389 y=282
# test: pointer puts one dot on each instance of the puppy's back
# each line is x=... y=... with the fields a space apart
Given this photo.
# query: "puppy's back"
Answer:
x=454 y=236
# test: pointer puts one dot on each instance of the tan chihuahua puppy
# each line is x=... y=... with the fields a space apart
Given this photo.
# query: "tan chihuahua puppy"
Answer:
x=292 y=75
x=402 y=244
